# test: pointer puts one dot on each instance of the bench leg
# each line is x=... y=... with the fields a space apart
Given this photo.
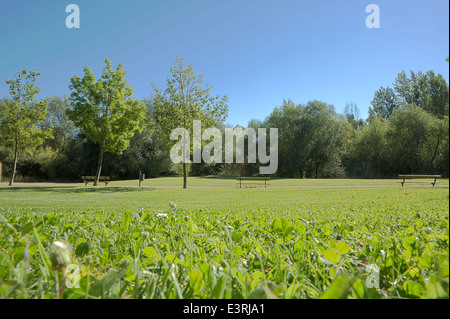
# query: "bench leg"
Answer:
x=403 y=183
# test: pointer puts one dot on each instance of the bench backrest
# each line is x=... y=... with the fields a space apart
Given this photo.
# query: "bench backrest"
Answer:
x=93 y=177
x=419 y=176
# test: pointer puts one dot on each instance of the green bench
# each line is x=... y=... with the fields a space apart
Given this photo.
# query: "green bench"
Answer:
x=413 y=179
x=87 y=179
x=266 y=180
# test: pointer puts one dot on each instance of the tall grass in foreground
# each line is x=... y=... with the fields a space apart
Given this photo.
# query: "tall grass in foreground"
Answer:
x=210 y=254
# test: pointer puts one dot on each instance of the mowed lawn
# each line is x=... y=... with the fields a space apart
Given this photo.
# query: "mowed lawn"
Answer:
x=294 y=239
x=230 y=182
x=218 y=194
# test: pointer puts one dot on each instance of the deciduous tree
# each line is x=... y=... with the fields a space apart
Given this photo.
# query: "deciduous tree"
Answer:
x=186 y=99
x=20 y=115
x=384 y=102
x=106 y=110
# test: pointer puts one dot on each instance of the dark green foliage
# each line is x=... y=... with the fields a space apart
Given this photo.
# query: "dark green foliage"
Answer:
x=406 y=132
x=106 y=110
x=311 y=138
x=20 y=115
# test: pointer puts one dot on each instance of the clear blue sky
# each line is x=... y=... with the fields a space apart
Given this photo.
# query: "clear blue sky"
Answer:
x=258 y=52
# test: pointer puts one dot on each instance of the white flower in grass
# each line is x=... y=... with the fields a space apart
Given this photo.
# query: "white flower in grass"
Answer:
x=161 y=215
x=173 y=205
x=60 y=255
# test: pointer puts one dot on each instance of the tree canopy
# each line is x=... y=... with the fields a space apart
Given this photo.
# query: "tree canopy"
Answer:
x=101 y=126
x=20 y=114
x=105 y=110
x=185 y=99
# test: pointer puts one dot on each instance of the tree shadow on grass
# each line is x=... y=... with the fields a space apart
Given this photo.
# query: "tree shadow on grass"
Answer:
x=74 y=189
x=215 y=177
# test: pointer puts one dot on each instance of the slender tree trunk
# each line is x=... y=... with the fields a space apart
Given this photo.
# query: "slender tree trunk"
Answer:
x=100 y=163
x=16 y=151
x=64 y=144
x=184 y=160
x=435 y=151
x=184 y=175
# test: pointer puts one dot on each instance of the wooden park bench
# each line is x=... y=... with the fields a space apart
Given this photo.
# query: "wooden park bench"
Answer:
x=87 y=179
x=266 y=180
x=413 y=179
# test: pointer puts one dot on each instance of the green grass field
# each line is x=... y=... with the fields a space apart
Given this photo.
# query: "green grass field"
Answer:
x=294 y=239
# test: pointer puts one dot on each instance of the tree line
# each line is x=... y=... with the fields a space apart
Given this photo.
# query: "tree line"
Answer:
x=101 y=129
